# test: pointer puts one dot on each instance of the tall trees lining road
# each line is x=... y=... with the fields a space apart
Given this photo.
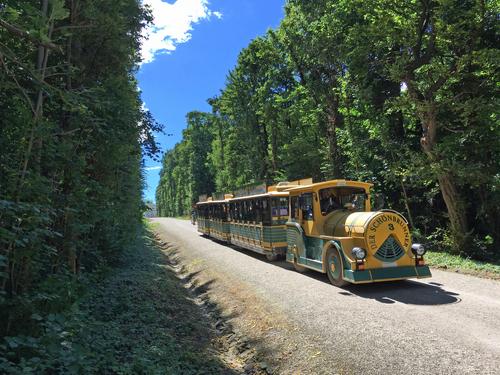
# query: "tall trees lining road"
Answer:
x=71 y=134
x=403 y=94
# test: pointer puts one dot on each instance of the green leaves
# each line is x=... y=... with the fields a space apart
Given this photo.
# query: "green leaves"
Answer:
x=355 y=89
x=58 y=11
x=71 y=171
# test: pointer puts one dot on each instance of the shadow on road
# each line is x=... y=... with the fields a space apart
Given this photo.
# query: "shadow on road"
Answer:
x=405 y=291
x=242 y=352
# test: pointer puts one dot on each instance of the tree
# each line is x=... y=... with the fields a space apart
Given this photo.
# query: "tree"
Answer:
x=442 y=53
x=402 y=94
x=72 y=137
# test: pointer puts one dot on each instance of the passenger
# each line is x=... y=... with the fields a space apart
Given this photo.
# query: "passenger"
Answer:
x=329 y=202
x=323 y=203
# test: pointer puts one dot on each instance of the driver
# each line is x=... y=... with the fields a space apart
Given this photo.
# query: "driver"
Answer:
x=329 y=201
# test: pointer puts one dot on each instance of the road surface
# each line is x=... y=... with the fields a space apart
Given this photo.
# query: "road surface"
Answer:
x=448 y=324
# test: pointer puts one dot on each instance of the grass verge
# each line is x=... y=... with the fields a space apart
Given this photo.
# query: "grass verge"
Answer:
x=463 y=265
x=138 y=319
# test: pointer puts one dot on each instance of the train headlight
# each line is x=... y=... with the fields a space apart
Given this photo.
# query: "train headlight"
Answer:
x=358 y=253
x=418 y=249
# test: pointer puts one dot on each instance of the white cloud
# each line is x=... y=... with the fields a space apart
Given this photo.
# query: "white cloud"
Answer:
x=173 y=24
x=155 y=168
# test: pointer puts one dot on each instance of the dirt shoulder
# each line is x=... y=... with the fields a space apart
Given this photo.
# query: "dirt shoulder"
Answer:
x=259 y=338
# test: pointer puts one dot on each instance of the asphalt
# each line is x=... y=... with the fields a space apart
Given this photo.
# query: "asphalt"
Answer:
x=448 y=324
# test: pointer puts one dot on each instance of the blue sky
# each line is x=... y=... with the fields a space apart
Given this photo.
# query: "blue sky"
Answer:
x=192 y=47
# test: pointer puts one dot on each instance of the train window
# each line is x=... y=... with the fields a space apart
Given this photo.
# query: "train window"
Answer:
x=246 y=204
x=306 y=205
x=254 y=210
x=241 y=208
x=294 y=208
x=251 y=208
x=266 y=211
x=258 y=211
x=335 y=198
x=279 y=210
x=244 y=209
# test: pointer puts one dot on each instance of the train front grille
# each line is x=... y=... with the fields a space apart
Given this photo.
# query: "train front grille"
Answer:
x=390 y=251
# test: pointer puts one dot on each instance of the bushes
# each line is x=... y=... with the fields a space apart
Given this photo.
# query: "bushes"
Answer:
x=72 y=138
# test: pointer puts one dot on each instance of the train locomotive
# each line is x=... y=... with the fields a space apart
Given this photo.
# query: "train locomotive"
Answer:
x=327 y=226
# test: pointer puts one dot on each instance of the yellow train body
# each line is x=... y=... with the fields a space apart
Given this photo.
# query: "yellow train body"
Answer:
x=328 y=227
x=332 y=240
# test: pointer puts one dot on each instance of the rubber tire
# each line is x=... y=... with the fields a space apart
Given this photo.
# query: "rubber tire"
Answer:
x=298 y=267
x=271 y=256
x=333 y=256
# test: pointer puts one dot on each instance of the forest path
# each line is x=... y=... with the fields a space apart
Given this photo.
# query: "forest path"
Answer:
x=447 y=324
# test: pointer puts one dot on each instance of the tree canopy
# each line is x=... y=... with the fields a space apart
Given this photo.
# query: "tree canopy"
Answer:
x=72 y=138
x=401 y=94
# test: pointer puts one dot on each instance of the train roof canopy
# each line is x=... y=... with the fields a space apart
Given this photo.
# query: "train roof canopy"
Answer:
x=214 y=202
x=331 y=183
x=270 y=194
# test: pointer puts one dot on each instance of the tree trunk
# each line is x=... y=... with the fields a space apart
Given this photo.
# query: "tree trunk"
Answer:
x=274 y=147
x=68 y=242
x=334 y=121
x=41 y=67
x=265 y=152
x=456 y=210
x=454 y=203
x=221 y=140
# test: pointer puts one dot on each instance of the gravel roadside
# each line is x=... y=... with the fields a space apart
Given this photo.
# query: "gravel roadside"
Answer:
x=299 y=323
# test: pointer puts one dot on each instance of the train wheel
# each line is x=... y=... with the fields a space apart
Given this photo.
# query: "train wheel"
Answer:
x=270 y=256
x=334 y=267
x=298 y=267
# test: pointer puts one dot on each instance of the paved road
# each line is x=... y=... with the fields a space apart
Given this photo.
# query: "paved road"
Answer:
x=443 y=325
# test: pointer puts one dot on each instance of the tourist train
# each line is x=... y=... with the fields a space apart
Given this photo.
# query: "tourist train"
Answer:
x=326 y=226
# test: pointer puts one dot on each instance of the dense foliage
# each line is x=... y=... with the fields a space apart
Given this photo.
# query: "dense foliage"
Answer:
x=403 y=94
x=72 y=131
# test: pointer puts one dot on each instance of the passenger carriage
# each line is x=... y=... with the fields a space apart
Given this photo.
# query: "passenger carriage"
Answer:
x=331 y=229
x=255 y=219
x=203 y=217
x=257 y=223
x=213 y=217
